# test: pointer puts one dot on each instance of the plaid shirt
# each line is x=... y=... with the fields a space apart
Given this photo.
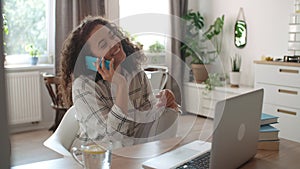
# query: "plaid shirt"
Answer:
x=100 y=118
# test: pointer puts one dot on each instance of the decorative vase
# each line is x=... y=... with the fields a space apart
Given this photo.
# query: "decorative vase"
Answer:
x=34 y=60
x=234 y=79
x=200 y=72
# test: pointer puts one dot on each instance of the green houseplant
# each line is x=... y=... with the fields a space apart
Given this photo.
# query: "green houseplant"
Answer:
x=156 y=53
x=236 y=62
x=5 y=25
x=193 y=46
x=196 y=43
x=215 y=33
x=194 y=23
x=213 y=80
x=156 y=47
x=33 y=52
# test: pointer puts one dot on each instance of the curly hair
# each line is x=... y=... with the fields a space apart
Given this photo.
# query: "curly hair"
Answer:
x=74 y=47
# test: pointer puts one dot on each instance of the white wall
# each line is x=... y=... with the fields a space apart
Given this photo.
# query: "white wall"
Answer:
x=267 y=23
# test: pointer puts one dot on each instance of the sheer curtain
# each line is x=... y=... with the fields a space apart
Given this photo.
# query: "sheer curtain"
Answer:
x=176 y=60
x=68 y=14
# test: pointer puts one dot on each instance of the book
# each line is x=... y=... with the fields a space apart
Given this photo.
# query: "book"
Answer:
x=268 y=132
x=268 y=145
x=268 y=119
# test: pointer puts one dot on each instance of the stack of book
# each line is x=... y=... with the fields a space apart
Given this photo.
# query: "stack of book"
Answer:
x=268 y=134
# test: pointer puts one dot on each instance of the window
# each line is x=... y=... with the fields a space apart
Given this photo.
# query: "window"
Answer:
x=133 y=7
x=28 y=23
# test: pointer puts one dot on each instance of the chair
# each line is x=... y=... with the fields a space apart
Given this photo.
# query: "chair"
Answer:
x=61 y=140
x=51 y=83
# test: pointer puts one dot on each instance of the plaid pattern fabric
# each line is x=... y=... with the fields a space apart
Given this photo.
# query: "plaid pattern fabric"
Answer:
x=100 y=118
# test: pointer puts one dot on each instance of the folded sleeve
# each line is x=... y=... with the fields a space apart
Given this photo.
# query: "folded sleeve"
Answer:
x=118 y=121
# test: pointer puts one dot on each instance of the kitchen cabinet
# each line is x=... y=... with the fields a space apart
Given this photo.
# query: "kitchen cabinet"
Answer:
x=281 y=83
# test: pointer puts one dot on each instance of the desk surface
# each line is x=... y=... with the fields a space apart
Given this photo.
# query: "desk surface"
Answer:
x=288 y=155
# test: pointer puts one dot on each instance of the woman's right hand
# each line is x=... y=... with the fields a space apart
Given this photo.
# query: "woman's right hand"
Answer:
x=106 y=74
x=110 y=75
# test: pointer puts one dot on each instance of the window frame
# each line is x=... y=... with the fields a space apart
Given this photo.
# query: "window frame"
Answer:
x=152 y=58
x=48 y=58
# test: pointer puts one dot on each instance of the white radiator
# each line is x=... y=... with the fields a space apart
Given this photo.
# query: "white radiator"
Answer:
x=23 y=97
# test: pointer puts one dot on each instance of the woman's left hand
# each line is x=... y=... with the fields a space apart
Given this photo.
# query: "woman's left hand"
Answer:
x=167 y=98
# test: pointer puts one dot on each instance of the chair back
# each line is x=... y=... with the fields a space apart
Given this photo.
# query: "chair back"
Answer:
x=51 y=82
x=62 y=139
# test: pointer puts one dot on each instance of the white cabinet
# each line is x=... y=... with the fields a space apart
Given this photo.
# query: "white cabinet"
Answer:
x=281 y=83
x=199 y=101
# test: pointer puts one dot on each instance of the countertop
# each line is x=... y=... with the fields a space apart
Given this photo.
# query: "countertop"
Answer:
x=281 y=63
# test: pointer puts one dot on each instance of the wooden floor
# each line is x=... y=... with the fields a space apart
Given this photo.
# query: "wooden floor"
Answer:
x=28 y=147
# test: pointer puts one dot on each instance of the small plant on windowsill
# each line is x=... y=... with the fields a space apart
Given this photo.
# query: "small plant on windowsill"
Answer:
x=156 y=48
x=236 y=62
x=33 y=52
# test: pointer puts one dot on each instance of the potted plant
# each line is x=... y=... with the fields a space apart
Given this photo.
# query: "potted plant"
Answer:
x=196 y=43
x=33 y=52
x=234 y=75
x=213 y=31
x=194 y=47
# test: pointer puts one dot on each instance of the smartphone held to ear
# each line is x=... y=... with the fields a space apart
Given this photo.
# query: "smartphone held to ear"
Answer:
x=90 y=60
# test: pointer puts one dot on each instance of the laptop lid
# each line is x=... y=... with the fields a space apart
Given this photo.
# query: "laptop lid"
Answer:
x=236 y=130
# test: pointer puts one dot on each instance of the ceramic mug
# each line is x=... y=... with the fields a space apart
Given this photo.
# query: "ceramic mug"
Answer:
x=93 y=156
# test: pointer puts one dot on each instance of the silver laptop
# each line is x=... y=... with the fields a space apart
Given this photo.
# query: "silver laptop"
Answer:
x=236 y=130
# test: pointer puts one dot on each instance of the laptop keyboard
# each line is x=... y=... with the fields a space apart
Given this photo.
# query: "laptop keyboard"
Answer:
x=201 y=162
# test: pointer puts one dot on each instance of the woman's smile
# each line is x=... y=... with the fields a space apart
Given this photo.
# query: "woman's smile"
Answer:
x=116 y=52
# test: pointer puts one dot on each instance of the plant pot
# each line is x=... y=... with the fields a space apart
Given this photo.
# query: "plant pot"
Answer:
x=200 y=72
x=234 y=79
x=34 y=60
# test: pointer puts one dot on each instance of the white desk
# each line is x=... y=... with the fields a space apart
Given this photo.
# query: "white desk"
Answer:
x=286 y=157
x=61 y=163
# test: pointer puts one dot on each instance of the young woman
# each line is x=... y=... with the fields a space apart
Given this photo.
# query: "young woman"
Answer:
x=113 y=102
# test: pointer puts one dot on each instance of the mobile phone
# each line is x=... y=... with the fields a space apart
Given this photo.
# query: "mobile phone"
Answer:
x=90 y=60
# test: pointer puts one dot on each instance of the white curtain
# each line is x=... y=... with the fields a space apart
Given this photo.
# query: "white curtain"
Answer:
x=175 y=60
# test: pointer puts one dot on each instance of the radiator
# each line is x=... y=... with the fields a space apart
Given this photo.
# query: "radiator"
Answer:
x=23 y=97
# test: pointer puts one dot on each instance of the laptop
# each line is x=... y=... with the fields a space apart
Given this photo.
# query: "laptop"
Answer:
x=234 y=140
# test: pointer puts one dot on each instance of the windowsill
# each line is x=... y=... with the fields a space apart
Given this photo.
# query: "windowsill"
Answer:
x=18 y=67
x=22 y=62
